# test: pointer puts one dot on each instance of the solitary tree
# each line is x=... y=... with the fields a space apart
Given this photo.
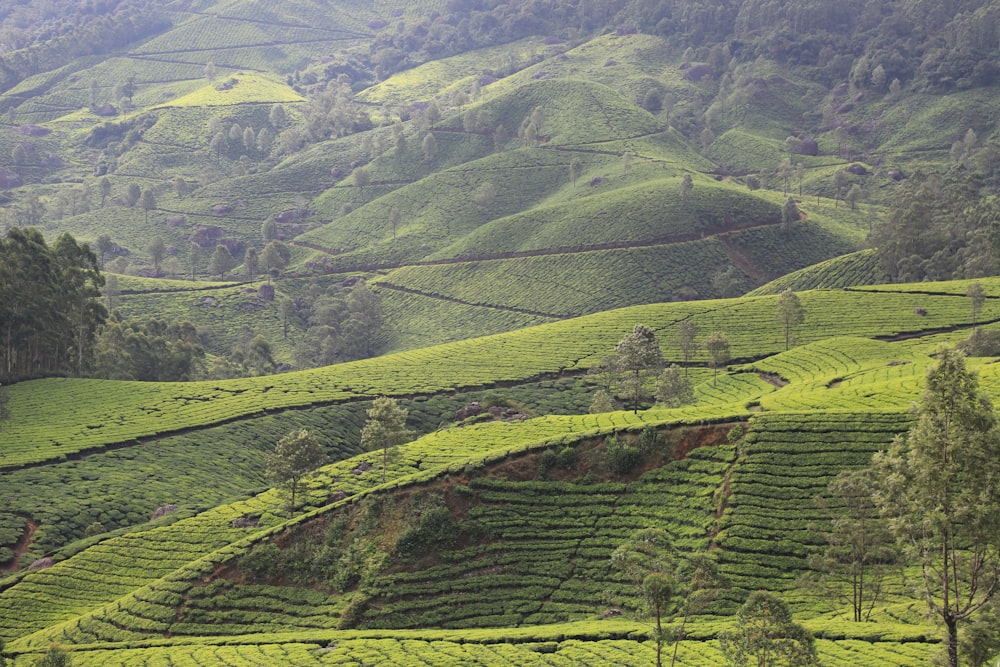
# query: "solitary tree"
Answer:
x=639 y=355
x=673 y=388
x=157 y=249
x=648 y=559
x=977 y=295
x=294 y=456
x=276 y=256
x=766 y=635
x=252 y=261
x=54 y=657
x=132 y=194
x=687 y=335
x=789 y=213
x=361 y=178
x=385 y=428
x=860 y=552
x=221 y=262
x=791 y=313
x=575 y=170
x=194 y=259
x=394 y=219
x=668 y=581
x=687 y=183
x=717 y=346
x=938 y=487
x=148 y=202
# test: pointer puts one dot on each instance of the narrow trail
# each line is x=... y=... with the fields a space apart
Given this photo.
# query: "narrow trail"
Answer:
x=22 y=545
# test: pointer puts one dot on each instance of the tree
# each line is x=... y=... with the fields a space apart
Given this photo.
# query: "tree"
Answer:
x=157 y=249
x=937 y=485
x=54 y=657
x=575 y=170
x=791 y=313
x=276 y=256
x=977 y=295
x=394 y=219
x=717 y=346
x=673 y=388
x=500 y=137
x=429 y=147
x=209 y=71
x=361 y=178
x=839 y=183
x=194 y=259
x=601 y=402
x=687 y=335
x=104 y=246
x=148 y=203
x=221 y=262
x=295 y=455
x=854 y=194
x=639 y=355
x=766 y=635
x=269 y=230
x=252 y=261
x=789 y=213
x=859 y=550
x=385 y=429
x=686 y=185
x=105 y=186
x=648 y=559
x=181 y=187
x=132 y=194
x=663 y=575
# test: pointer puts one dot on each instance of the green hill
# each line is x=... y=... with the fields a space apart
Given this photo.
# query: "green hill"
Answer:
x=519 y=185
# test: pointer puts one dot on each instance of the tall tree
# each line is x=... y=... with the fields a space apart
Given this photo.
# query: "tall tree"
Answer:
x=252 y=261
x=385 y=428
x=674 y=388
x=717 y=346
x=687 y=340
x=766 y=635
x=575 y=169
x=221 y=262
x=295 y=455
x=860 y=552
x=791 y=313
x=639 y=356
x=939 y=486
x=687 y=184
x=157 y=250
x=276 y=257
x=977 y=295
x=789 y=214
x=148 y=203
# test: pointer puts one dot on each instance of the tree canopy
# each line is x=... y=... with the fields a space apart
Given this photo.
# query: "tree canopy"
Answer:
x=938 y=486
x=49 y=305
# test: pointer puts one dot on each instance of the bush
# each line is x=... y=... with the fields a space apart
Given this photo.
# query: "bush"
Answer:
x=263 y=562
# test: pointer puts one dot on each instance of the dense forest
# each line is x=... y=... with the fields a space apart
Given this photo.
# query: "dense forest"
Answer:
x=49 y=308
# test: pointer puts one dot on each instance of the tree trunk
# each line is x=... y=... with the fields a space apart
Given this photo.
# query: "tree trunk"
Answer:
x=952 y=625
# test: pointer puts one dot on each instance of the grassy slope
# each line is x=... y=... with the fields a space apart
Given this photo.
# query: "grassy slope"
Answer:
x=845 y=374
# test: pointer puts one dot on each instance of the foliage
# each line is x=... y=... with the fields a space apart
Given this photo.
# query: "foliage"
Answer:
x=48 y=303
x=718 y=348
x=939 y=227
x=791 y=313
x=937 y=485
x=859 y=554
x=151 y=351
x=765 y=635
x=674 y=388
x=295 y=455
x=385 y=428
x=638 y=356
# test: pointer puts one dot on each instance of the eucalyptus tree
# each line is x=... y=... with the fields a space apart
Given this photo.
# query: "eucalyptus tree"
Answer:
x=939 y=487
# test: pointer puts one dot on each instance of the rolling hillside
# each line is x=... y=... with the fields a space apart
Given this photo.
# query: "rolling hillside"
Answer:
x=519 y=185
x=843 y=395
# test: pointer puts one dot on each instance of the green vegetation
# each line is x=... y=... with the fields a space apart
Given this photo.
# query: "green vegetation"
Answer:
x=463 y=209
